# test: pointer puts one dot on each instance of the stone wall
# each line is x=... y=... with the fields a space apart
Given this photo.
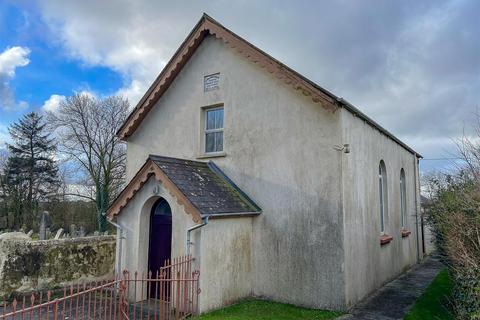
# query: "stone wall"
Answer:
x=27 y=265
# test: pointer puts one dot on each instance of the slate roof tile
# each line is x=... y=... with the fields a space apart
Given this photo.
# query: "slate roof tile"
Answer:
x=205 y=186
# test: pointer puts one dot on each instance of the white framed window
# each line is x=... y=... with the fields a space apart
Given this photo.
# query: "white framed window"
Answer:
x=382 y=186
x=213 y=130
x=403 y=198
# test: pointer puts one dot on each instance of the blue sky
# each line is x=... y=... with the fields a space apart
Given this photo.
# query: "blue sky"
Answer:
x=413 y=66
x=50 y=70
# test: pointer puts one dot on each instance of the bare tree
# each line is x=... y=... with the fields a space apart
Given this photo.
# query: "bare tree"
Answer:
x=86 y=132
x=454 y=214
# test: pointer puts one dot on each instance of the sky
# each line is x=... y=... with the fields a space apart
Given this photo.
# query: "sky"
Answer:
x=413 y=66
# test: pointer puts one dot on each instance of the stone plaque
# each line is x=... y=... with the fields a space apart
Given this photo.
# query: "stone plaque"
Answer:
x=211 y=82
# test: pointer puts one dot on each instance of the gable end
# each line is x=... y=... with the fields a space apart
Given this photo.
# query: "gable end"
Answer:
x=208 y=26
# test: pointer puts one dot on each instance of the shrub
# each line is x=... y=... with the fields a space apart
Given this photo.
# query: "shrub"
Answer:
x=454 y=215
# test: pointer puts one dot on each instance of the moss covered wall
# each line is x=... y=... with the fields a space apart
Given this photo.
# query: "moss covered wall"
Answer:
x=27 y=265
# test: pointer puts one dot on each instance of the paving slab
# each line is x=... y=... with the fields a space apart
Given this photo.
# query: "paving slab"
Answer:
x=396 y=298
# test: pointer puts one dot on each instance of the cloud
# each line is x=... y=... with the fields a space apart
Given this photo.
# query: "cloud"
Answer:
x=140 y=50
x=88 y=93
x=53 y=103
x=411 y=65
x=11 y=59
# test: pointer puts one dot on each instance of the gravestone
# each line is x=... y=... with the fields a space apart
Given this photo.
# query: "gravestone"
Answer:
x=44 y=222
x=59 y=233
x=73 y=231
x=81 y=231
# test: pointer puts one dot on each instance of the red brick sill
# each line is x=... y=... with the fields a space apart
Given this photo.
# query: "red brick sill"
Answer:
x=405 y=233
x=385 y=238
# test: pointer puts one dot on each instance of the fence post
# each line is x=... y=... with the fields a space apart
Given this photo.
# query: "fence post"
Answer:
x=177 y=300
x=55 y=311
x=14 y=306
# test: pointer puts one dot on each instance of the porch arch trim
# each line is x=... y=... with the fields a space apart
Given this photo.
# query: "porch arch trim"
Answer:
x=149 y=169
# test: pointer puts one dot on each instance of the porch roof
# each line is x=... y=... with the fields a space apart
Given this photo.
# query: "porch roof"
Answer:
x=201 y=187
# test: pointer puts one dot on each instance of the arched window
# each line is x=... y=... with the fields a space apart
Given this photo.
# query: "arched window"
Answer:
x=403 y=198
x=382 y=185
x=161 y=208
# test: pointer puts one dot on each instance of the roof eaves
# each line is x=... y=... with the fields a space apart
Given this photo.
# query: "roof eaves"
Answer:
x=231 y=215
x=355 y=111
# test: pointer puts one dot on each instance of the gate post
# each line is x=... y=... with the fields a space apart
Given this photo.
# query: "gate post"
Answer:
x=55 y=310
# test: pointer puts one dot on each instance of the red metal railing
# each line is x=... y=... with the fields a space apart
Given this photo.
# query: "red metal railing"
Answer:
x=98 y=300
x=171 y=293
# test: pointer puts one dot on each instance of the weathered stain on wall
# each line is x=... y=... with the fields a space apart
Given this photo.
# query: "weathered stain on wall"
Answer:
x=27 y=265
x=226 y=262
x=279 y=149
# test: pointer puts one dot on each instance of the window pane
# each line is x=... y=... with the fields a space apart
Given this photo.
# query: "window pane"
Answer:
x=218 y=141
x=380 y=182
x=382 y=194
x=403 y=198
x=219 y=118
x=210 y=119
x=210 y=142
x=162 y=208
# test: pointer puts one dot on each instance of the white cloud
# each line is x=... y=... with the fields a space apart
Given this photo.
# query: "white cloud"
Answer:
x=11 y=59
x=53 y=102
x=412 y=66
x=87 y=92
x=134 y=91
x=127 y=37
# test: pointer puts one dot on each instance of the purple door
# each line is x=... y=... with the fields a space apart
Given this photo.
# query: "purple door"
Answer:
x=160 y=238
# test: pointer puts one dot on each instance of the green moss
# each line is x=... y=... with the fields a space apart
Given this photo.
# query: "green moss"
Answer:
x=266 y=310
x=51 y=264
x=433 y=303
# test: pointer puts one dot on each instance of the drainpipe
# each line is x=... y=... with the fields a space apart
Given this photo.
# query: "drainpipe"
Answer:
x=189 y=230
x=415 y=166
x=118 y=251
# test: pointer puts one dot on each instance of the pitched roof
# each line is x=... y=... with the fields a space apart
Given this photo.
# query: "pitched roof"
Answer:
x=208 y=26
x=202 y=188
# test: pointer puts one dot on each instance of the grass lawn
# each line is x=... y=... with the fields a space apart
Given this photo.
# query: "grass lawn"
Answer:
x=431 y=304
x=266 y=310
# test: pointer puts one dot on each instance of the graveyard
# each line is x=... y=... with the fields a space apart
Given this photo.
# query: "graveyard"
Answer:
x=52 y=259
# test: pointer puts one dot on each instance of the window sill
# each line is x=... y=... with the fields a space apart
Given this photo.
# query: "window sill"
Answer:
x=405 y=233
x=212 y=155
x=385 y=238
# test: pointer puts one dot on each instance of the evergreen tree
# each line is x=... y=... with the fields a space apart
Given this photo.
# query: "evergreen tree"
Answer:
x=31 y=173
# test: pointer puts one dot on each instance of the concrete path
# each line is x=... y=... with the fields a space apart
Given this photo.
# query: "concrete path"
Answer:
x=394 y=300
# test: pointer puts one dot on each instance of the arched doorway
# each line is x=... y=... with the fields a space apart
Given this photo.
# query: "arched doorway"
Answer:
x=160 y=247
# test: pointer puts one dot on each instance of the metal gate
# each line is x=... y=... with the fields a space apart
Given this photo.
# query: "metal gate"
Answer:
x=129 y=296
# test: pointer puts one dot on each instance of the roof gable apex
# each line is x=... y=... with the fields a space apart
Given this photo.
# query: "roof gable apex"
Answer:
x=209 y=26
x=148 y=170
